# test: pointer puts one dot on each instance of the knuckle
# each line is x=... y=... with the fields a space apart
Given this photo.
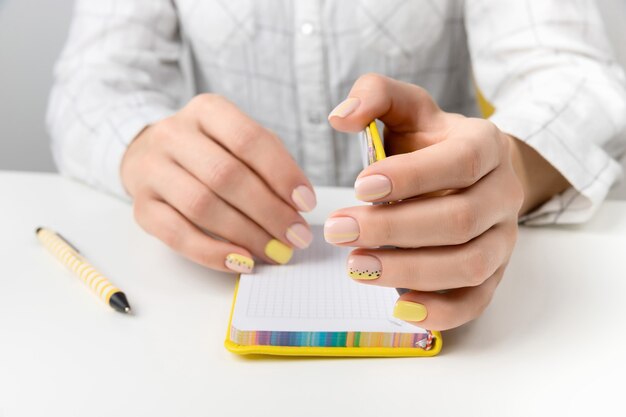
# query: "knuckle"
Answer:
x=486 y=127
x=152 y=164
x=477 y=266
x=493 y=133
x=199 y=205
x=206 y=100
x=471 y=163
x=464 y=221
x=171 y=236
x=165 y=133
x=382 y=225
x=224 y=173
x=162 y=130
x=413 y=276
x=387 y=229
x=244 y=139
x=415 y=180
x=372 y=81
x=167 y=232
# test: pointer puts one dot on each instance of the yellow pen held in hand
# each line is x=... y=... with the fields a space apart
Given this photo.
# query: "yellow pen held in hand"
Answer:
x=71 y=258
x=372 y=150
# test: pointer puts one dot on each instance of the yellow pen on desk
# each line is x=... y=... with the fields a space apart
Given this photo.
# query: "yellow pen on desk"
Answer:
x=71 y=257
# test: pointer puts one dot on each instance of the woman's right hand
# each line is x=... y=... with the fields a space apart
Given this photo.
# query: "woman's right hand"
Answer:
x=217 y=187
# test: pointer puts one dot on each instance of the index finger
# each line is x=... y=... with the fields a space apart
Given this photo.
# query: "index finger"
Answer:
x=472 y=149
x=258 y=148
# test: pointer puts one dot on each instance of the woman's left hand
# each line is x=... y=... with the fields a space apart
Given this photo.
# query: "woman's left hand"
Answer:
x=457 y=198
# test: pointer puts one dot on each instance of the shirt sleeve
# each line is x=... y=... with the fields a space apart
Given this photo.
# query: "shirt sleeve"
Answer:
x=548 y=69
x=118 y=73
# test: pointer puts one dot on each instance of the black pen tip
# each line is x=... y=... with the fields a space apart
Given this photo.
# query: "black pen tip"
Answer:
x=119 y=302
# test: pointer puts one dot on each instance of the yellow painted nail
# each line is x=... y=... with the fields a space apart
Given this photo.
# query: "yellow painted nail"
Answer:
x=278 y=251
x=408 y=311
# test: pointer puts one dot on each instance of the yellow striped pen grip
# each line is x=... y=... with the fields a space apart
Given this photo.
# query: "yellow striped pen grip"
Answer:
x=70 y=257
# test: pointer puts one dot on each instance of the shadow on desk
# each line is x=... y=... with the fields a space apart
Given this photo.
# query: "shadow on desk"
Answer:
x=553 y=294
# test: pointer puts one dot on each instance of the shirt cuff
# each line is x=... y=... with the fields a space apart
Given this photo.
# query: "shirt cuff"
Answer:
x=590 y=170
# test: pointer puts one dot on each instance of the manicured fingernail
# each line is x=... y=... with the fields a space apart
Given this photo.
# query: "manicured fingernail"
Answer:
x=278 y=251
x=299 y=235
x=345 y=107
x=341 y=230
x=372 y=187
x=239 y=263
x=304 y=198
x=408 y=311
x=364 y=267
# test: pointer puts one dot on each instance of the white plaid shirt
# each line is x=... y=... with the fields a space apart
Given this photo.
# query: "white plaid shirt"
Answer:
x=545 y=65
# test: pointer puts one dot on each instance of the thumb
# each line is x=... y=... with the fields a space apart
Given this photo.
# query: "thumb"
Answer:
x=401 y=106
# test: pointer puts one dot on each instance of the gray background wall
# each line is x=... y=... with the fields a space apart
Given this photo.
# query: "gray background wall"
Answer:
x=32 y=33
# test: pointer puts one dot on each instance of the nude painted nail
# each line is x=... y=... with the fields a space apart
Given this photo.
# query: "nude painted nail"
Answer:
x=304 y=198
x=408 y=311
x=345 y=108
x=372 y=187
x=341 y=230
x=299 y=235
x=364 y=267
x=239 y=263
x=278 y=251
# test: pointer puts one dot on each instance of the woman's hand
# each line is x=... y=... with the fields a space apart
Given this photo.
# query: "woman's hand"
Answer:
x=217 y=187
x=456 y=224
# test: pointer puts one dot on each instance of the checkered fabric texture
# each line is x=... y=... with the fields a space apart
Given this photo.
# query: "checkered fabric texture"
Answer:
x=545 y=65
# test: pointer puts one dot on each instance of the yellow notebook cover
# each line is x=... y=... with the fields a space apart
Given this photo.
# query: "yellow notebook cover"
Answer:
x=310 y=307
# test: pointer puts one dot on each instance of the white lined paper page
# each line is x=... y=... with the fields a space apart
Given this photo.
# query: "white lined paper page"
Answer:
x=314 y=293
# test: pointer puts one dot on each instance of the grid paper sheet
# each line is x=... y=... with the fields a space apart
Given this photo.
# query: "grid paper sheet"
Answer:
x=314 y=293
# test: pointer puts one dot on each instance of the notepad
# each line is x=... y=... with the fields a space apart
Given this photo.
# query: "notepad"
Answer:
x=311 y=307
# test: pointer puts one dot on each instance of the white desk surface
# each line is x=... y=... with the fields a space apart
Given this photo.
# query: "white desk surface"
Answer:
x=553 y=342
